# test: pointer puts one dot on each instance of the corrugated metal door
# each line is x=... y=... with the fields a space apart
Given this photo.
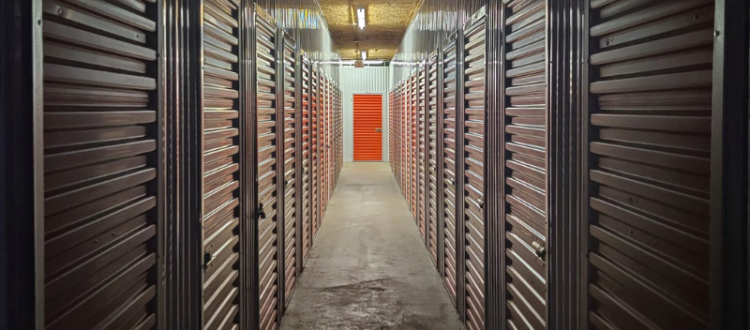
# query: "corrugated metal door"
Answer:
x=323 y=150
x=414 y=145
x=221 y=165
x=290 y=168
x=268 y=181
x=391 y=136
x=368 y=123
x=307 y=213
x=422 y=150
x=525 y=160
x=474 y=171
x=402 y=139
x=449 y=166
x=649 y=164
x=100 y=164
x=432 y=143
x=315 y=154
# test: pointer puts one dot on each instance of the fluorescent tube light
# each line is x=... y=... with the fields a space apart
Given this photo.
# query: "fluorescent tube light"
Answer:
x=361 y=17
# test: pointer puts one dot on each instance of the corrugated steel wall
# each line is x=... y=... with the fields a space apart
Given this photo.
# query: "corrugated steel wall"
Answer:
x=614 y=186
x=150 y=122
x=367 y=80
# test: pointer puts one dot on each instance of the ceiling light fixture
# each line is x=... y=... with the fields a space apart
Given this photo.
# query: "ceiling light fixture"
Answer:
x=364 y=55
x=361 y=18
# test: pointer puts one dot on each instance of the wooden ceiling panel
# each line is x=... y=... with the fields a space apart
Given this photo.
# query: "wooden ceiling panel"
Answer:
x=386 y=23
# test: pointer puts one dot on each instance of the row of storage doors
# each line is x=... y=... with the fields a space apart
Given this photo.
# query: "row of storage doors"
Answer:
x=269 y=154
x=645 y=233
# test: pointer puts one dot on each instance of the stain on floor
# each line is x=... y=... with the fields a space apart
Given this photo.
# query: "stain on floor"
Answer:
x=368 y=268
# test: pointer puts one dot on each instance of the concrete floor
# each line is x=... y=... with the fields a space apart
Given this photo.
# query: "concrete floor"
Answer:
x=369 y=268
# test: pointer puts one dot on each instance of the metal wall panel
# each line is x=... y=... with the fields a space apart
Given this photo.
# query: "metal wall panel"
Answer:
x=433 y=23
x=367 y=80
x=649 y=164
x=101 y=164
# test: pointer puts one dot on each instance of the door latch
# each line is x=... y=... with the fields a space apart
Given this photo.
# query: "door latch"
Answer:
x=207 y=258
x=261 y=212
x=540 y=250
x=378 y=130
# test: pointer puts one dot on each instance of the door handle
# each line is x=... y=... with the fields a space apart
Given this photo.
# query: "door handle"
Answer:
x=261 y=212
x=378 y=130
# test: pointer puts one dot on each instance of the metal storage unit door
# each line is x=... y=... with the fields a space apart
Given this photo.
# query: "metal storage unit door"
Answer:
x=268 y=181
x=392 y=135
x=401 y=149
x=221 y=166
x=100 y=164
x=404 y=122
x=422 y=150
x=432 y=143
x=314 y=153
x=649 y=164
x=525 y=160
x=449 y=165
x=323 y=169
x=326 y=143
x=414 y=144
x=474 y=171
x=402 y=139
x=290 y=166
x=307 y=214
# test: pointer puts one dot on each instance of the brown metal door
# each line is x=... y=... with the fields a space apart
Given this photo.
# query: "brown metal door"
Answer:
x=315 y=154
x=474 y=171
x=649 y=163
x=525 y=161
x=403 y=167
x=290 y=168
x=221 y=165
x=449 y=166
x=267 y=180
x=100 y=164
x=324 y=150
x=414 y=143
x=422 y=150
x=432 y=143
x=307 y=213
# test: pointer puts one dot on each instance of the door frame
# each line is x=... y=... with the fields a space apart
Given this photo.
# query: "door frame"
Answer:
x=349 y=134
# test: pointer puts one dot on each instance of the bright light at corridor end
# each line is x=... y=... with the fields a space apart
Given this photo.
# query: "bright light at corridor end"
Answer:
x=361 y=17
x=364 y=55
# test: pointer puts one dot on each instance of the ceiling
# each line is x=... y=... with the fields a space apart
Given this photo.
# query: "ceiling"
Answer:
x=386 y=23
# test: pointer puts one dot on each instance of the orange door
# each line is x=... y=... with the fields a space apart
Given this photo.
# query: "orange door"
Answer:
x=368 y=127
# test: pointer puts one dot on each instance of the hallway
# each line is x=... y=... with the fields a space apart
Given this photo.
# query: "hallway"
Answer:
x=368 y=268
